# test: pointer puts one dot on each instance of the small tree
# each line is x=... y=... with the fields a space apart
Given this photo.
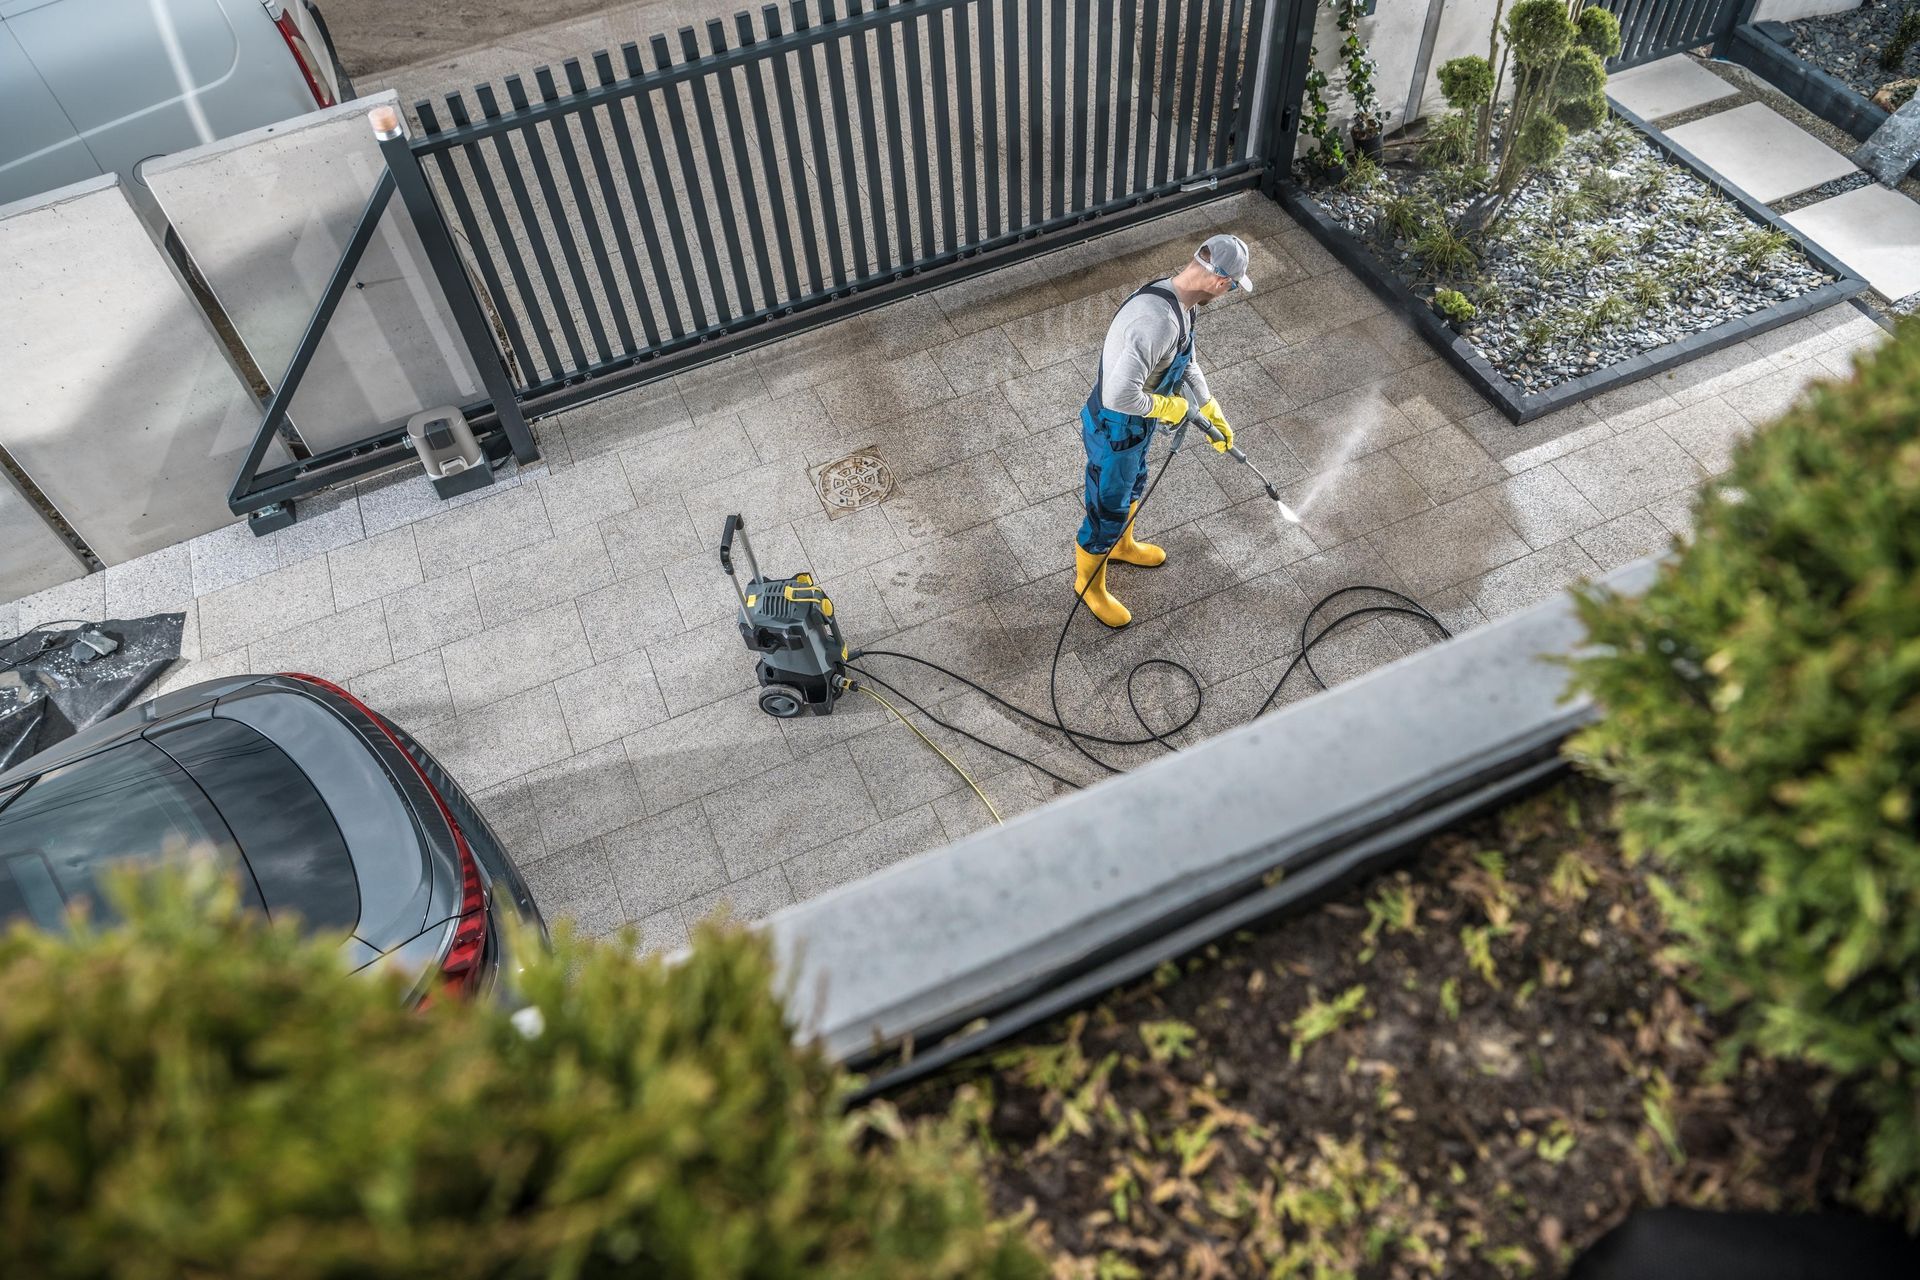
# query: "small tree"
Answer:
x=197 y=1092
x=1762 y=730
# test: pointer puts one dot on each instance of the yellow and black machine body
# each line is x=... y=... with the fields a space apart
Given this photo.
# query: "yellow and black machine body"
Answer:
x=789 y=622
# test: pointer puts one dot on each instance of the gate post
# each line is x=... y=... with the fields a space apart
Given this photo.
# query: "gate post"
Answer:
x=410 y=182
x=1284 y=70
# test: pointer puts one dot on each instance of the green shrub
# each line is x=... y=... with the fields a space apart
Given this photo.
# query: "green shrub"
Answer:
x=1599 y=32
x=1447 y=141
x=199 y=1093
x=1441 y=250
x=1762 y=728
x=1466 y=82
x=1757 y=246
x=1454 y=305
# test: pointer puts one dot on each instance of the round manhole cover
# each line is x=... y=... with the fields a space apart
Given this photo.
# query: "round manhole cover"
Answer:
x=854 y=482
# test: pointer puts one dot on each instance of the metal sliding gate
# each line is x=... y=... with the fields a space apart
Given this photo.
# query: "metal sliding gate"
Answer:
x=1651 y=29
x=631 y=217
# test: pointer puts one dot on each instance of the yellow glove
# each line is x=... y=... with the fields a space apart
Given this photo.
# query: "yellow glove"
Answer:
x=1211 y=412
x=1171 y=410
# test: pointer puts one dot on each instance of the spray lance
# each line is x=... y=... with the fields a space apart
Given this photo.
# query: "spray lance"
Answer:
x=1234 y=451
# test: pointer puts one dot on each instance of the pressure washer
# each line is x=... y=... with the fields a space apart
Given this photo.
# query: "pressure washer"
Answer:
x=806 y=664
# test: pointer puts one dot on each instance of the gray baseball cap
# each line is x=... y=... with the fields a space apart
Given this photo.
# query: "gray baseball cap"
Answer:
x=1227 y=256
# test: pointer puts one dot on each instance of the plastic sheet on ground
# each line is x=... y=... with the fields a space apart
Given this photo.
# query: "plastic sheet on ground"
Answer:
x=50 y=689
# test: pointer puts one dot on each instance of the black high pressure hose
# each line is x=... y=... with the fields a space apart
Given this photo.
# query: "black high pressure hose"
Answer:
x=1078 y=738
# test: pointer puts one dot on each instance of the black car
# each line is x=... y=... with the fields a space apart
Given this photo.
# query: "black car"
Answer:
x=324 y=808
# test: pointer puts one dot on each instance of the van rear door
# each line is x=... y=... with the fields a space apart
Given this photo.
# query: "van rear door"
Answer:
x=39 y=147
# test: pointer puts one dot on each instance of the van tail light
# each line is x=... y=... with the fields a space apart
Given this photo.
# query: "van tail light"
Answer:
x=303 y=55
x=464 y=963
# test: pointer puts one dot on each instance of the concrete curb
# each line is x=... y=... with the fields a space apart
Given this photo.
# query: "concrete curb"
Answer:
x=961 y=932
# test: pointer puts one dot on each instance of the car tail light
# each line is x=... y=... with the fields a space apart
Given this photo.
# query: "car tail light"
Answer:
x=303 y=55
x=465 y=961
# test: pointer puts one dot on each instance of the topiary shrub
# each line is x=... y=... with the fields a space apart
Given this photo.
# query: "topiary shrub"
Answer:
x=1454 y=305
x=196 y=1092
x=1762 y=728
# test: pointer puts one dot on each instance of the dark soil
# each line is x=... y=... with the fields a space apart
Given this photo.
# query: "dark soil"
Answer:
x=1474 y=1067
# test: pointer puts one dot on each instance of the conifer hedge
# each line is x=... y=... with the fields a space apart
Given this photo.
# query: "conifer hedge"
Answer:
x=1762 y=728
x=195 y=1092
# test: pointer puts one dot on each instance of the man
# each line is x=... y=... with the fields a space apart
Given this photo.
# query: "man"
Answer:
x=1147 y=376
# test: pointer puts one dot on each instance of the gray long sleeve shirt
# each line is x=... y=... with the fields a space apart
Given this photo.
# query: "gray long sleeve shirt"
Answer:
x=1139 y=347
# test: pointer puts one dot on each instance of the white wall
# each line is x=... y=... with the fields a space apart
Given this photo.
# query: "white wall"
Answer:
x=265 y=216
x=1789 y=10
x=1394 y=36
x=115 y=397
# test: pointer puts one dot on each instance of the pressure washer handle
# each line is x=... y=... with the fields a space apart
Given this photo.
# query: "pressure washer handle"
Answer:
x=736 y=525
x=1214 y=434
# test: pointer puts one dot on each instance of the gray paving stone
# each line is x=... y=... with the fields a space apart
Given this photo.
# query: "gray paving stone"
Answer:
x=1630 y=405
x=1448 y=463
x=900 y=771
x=431 y=614
x=1709 y=430
x=1624 y=538
x=374 y=567
x=1233 y=334
x=982 y=359
x=1042 y=534
x=701 y=589
x=621 y=422
x=1762 y=152
x=1630 y=470
x=1666 y=87
x=705 y=750
x=610 y=700
x=666 y=860
x=629 y=614
x=508 y=809
x=1524 y=447
x=500 y=740
x=997 y=297
x=1431 y=394
x=1308 y=253
x=1184 y=491
x=672 y=464
x=1013 y=792
x=893 y=386
x=258 y=607
x=1791 y=344
x=1054 y=395
x=939 y=577
x=1312 y=369
x=723 y=386
x=575 y=885
x=766 y=497
x=546 y=573
x=945 y=502
x=1266 y=447
x=1053 y=461
x=1675 y=511
x=1765 y=399
x=1403 y=344
x=797 y=425
x=1352 y=501
x=1872 y=230
x=856 y=856
x=351 y=643
x=405 y=495
x=158 y=582
x=1248 y=393
x=1241 y=627
x=975 y=643
x=1458 y=540
x=818 y=799
x=325 y=522
x=1542 y=506
x=704 y=665
x=1306 y=308
x=1710 y=374
x=1347 y=426
x=854 y=541
x=228 y=556
x=1195 y=568
x=410 y=693
x=1070 y=329
x=744 y=901
x=654 y=533
x=661 y=934
x=527 y=652
x=1530 y=580
x=1253 y=538
x=83 y=599
x=1351 y=652
x=586 y=795
x=1352 y=564
x=588 y=493
x=456 y=540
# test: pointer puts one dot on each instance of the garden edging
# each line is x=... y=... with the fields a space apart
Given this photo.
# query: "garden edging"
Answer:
x=1763 y=48
x=1522 y=407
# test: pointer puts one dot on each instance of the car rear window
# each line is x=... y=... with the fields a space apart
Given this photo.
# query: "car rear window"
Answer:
x=284 y=828
x=130 y=804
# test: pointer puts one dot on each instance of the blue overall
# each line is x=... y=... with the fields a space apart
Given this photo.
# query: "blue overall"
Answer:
x=1117 y=444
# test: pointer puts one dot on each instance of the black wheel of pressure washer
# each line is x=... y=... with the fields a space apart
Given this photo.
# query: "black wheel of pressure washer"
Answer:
x=782 y=701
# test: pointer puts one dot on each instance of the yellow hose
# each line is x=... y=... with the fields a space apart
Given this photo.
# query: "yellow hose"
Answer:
x=936 y=746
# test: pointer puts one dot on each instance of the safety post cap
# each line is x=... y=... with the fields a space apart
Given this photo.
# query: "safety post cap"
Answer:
x=386 y=122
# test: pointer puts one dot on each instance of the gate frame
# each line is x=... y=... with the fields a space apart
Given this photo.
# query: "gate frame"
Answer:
x=500 y=421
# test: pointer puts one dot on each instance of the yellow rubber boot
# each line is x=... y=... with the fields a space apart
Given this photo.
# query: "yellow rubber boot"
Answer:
x=1088 y=565
x=1127 y=551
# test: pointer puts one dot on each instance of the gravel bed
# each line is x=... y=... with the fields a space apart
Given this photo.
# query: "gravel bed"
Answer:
x=1616 y=251
x=1847 y=45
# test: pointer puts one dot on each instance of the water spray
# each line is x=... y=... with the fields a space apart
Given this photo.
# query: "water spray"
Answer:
x=1234 y=451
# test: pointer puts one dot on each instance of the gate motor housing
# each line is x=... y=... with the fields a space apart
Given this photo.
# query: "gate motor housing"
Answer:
x=789 y=622
x=453 y=459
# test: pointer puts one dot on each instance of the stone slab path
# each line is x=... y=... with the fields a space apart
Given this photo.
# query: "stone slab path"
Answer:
x=1873 y=230
x=565 y=641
